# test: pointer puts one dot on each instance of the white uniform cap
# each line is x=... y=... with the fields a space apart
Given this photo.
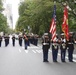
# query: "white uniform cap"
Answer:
x=70 y=32
x=45 y=34
x=62 y=33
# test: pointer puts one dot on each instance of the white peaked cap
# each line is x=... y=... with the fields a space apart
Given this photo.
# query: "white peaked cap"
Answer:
x=62 y=33
x=45 y=34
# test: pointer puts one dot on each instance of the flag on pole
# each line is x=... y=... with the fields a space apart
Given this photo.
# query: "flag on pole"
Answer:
x=53 y=25
x=65 y=28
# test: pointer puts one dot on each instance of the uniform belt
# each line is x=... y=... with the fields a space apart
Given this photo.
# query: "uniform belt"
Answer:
x=70 y=43
x=54 y=44
x=45 y=43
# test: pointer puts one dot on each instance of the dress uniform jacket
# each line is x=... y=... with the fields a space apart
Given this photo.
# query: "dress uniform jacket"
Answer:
x=63 y=47
x=70 y=49
x=45 y=47
x=71 y=44
x=55 y=48
x=6 y=40
x=20 y=40
x=25 y=41
x=55 y=45
x=63 y=44
x=13 y=40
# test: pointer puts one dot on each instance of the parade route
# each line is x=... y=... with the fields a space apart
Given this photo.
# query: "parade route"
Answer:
x=18 y=61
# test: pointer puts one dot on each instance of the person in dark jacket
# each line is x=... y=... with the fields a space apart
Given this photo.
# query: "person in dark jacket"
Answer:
x=13 y=40
x=6 y=37
x=63 y=47
x=45 y=47
x=70 y=48
x=25 y=41
x=55 y=48
x=35 y=39
x=20 y=40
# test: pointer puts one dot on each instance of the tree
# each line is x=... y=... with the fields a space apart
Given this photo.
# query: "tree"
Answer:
x=3 y=20
x=38 y=14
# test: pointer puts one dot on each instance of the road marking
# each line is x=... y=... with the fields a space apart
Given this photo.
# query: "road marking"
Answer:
x=30 y=47
x=38 y=51
x=74 y=60
x=74 y=55
x=26 y=51
x=34 y=51
x=19 y=50
x=33 y=47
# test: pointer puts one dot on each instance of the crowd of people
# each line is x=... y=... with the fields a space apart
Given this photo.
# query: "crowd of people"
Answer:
x=33 y=39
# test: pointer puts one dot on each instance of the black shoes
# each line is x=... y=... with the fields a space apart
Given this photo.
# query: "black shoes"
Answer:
x=55 y=61
x=45 y=61
x=63 y=61
x=71 y=61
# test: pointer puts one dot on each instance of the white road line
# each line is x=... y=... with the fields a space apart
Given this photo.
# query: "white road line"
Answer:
x=19 y=50
x=34 y=51
x=38 y=51
x=74 y=55
x=33 y=47
x=67 y=57
x=74 y=60
x=26 y=51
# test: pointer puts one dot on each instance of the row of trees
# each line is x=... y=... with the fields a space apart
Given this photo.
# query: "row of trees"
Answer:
x=38 y=14
x=3 y=20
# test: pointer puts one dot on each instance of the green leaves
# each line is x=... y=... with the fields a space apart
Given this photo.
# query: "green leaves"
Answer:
x=3 y=20
x=38 y=14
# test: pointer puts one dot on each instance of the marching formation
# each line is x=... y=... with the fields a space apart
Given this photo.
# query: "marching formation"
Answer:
x=60 y=44
x=33 y=39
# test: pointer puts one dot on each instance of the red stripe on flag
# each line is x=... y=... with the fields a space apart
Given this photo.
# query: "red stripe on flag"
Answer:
x=65 y=27
x=53 y=25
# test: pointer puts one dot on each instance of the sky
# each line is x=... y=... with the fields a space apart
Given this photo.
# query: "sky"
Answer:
x=14 y=4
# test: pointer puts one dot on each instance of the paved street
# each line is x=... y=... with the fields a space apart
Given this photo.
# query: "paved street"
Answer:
x=17 y=61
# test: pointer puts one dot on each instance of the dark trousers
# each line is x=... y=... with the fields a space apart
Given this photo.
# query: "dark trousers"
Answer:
x=0 y=43
x=20 y=42
x=25 y=44
x=54 y=55
x=28 y=43
x=13 y=42
x=63 y=53
x=45 y=54
x=35 y=42
x=70 y=54
x=6 y=43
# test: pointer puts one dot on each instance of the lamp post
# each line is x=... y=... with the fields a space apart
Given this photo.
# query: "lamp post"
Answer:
x=29 y=29
x=24 y=30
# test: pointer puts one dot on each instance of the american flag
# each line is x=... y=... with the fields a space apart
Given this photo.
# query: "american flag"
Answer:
x=53 y=25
